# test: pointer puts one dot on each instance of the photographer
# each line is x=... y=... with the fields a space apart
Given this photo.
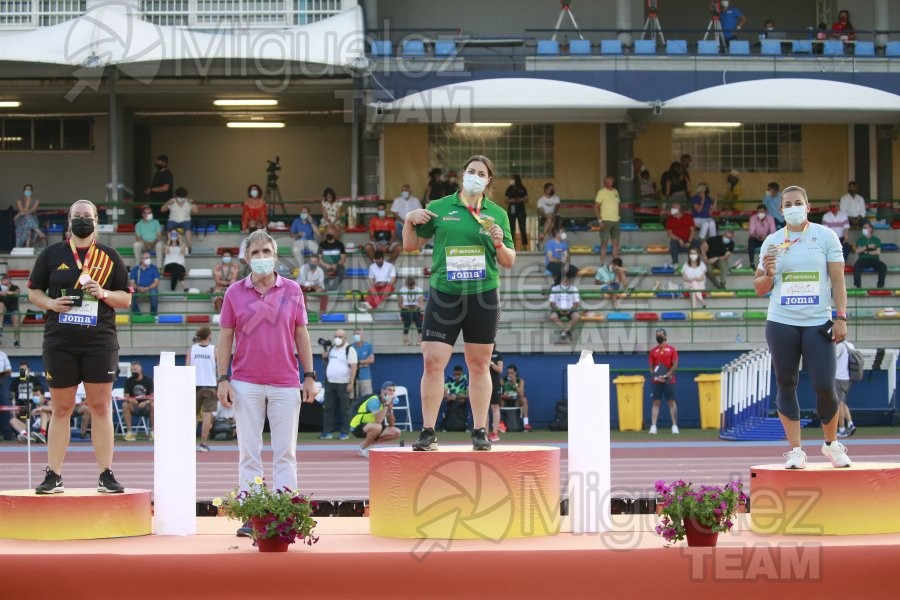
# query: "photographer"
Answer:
x=28 y=398
x=340 y=380
x=731 y=19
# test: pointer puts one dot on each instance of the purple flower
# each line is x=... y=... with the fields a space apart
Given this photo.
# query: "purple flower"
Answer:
x=296 y=500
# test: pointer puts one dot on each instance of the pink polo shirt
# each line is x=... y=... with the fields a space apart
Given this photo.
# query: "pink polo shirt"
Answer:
x=265 y=352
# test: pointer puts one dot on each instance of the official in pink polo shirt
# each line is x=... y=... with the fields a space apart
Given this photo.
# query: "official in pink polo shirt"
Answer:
x=264 y=318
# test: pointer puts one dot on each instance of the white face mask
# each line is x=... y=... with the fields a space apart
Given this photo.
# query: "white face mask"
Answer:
x=761 y=215
x=304 y=216
x=675 y=211
x=226 y=259
x=381 y=213
x=254 y=193
x=512 y=182
x=867 y=232
x=146 y=262
x=180 y=200
x=724 y=3
x=473 y=184
x=795 y=215
x=262 y=266
x=148 y=217
x=563 y=235
x=338 y=341
x=694 y=256
x=404 y=194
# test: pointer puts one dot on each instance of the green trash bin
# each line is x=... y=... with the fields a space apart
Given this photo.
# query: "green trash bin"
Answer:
x=709 y=388
x=630 y=398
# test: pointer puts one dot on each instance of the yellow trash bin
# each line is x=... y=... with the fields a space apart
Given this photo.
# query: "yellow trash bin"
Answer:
x=630 y=395
x=709 y=387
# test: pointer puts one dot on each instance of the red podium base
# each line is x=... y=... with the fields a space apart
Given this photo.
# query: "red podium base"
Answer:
x=822 y=500
x=76 y=514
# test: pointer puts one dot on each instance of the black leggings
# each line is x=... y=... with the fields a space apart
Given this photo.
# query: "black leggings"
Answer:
x=519 y=217
x=176 y=273
x=410 y=317
x=788 y=343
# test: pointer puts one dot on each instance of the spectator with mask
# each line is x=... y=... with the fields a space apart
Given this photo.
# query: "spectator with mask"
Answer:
x=381 y=236
x=674 y=184
x=516 y=200
x=254 y=213
x=411 y=299
x=28 y=398
x=437 y=188
x=382 y=276
x=606 y=208
x=548 y=212
x=341 y=366
x=148 y=234
x=456 y=396
x=225 y=274
x=180 y=209
x=842 y=29
x=613 y=278
x=374 y=421
x=332 y=213
x=716 y=252
x=663 y=364
x=512 y=393
x=138 y=400
x=163 y=183
x=333 y=258
x=649 y=191
x=565 y=307
x=365 y=356
x=772 y=202
x=686 y=160
x=868 y=249
x=762 y=225
x=853 y=205
x=731 y=199
x=305 y=234
x=312 y=281
x=402 y=206
x=694 y=275
x=556 y=257
x=6 y=401
x=731 y=19
x=174 y=261
x=144 y=280
x=702 y=207
x=680 y=229
x=28 y=230
x=837 y=221
x=9 y=305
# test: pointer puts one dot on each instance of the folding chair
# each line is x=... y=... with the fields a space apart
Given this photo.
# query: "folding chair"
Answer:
x=143 y=424
x=401 y=404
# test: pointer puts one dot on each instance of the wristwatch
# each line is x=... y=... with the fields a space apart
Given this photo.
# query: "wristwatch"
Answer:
x=221 y=378
x=312 y=374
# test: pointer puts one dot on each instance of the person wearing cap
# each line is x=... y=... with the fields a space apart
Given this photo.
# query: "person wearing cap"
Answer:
x=731 y=198
x=663 y=363
x=374 y=419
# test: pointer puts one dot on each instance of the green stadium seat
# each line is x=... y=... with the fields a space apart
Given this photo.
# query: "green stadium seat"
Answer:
x=755 y=315
x=125 y=251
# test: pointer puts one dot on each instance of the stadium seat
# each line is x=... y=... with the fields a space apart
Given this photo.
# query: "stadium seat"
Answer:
x=123 y=318
x=701 y=315
x=593 y=316
x=171 y=319
x=580 y=250
x=579 y=47
x=652 y=227
x=676 y=47
x=229 y=228
x=887 y=313
x=657 y=249
x=200 y=272
x=664 y=270
x=670 y=294
x=588 y=271
x=631 y=250
x=891 y=247
x=801 y=47
x=629 y=227
x=881 y=293
x=645 y=46
x=444 y=47
x=722 y=294
x=727 y=315
x=197 y=319
x=125 y=251
x=619 y=316
x=608 y=47
x=547 y=47
x=55 y=228
x=892 y=49
x=674 y=316
x=359 y=318
x=708 y=47
x=333 y=318
x=640 y=295
x=739 y=47
x=864 y=49
x=746 y=293
x=856 y=292
x=833 y=48
x=637 y=271
x=382 y=48
x=770 y=47
x=233 y=251
x=357 y=272
x=18 y=273
x=125 y=228
x=413 y=48
x=755 y=315
x=646 y=316
x=143 y=318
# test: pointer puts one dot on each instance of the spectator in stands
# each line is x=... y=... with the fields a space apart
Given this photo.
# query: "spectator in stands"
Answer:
x=842 y=384
x=254 y=213
x=374 y=420
x=853 y=205
x=6 y=402
x=305 y=233
x=148 y=235
x=731 y=19
x=680 y=229
x=731 y=198
x=9 y=305
x=612 y=278
x=686 y=160
x=496 y=371
x=411 y=300
x=341 y=366
x=649 y=191
x=28 y=398
x=772 y=202
x=225 y=273
x=173 y=262
x=516 y=200
x=694 y=275
x=162 y=184
x=202 y=356
x=332 y=213
x=456 y=396
x=556 y=257
x=138 y=399
x=180 y=209
x=401 y=206
x=674 y=184
x=843 y=29
x=365 y=357
x=81 y=410
x=716 y=252
x=382 y=276
x=312 y=281
x=606 y=207
x=837 y=221
x=769 y=32
x=144 y=280
x=548 y=212
x=28 y=229
x=762 y=225
x=334 y=256
x=512 y=393
x=868 y=249
x=382 y=238
x=437 y=188
x=663 y=363
x=565 y=307
x=702 y=207
x=822 y=34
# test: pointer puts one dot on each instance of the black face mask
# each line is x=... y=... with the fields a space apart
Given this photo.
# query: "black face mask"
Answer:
x=160 y=166
x=330 y=238
x=82 y=227
x=660 y=339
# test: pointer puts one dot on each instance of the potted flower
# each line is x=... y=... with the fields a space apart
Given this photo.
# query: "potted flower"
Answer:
x=278 y=517
x=697 y=514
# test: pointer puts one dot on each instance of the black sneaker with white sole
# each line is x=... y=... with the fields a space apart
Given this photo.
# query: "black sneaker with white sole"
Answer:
x=52 y=483
x=108 y=484
x=427 y=441
x=479 y=440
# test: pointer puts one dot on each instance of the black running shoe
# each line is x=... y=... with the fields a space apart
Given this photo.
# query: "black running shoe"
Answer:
x=108 y=483
x=479 y=440
x=52 y=484
x=426 y=441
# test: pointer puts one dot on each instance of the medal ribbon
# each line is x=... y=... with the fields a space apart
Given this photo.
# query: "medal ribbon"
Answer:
x=788 y=243
x=88 y=260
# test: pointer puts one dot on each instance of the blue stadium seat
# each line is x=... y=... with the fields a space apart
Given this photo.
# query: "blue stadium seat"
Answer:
x=547 y=47
x=801 y=47
x=676 y=47
x=892 y=49
x=333 y=318
x=645 y=46
x=739 y=47
x=444 y=47
x=610 y=47
x=865 y=49
x=674 y=316
x=413 y=48
x=833 y=48
x=707 y=47
x=770 y=47
x=382 y=48
x=580 y=47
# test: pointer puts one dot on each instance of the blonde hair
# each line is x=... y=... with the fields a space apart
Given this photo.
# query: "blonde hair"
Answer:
x=93 y=209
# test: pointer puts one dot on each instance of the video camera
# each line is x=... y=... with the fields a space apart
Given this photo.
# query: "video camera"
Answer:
x=715 y=9
x=326 y=344
x=272 y=168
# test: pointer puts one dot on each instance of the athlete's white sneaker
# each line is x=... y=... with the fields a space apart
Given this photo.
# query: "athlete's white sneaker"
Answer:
x=675 y=430
x=837 y=453
x=796 y=459
x=652 y=430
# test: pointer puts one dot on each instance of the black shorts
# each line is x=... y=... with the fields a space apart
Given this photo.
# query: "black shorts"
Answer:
x=10 y=305
x=67 y=368
x=495 y=396
x=360 y=430
x=476 y=315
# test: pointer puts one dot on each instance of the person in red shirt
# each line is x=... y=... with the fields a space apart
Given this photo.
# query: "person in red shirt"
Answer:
x=680 y=229
x=842 y=29
x=663 y=362
x=381 y=236
x=254 y=214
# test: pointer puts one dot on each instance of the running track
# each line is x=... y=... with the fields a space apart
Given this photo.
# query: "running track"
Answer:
x=335 y=472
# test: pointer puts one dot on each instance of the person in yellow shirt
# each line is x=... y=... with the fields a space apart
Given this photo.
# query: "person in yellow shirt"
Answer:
x=606 y=207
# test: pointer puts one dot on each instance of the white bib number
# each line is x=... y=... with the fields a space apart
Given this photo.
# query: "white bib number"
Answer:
x=466 y=263
x=800 y=289
x=86 y=314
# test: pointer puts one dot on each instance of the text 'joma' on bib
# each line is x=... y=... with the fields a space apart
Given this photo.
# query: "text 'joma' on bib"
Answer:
x=466 y=263
x=800 y=288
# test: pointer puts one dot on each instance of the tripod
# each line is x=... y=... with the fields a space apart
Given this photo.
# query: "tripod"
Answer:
x=652 y=27
x=566 y=10
x=273 y=197
x=715 y=27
